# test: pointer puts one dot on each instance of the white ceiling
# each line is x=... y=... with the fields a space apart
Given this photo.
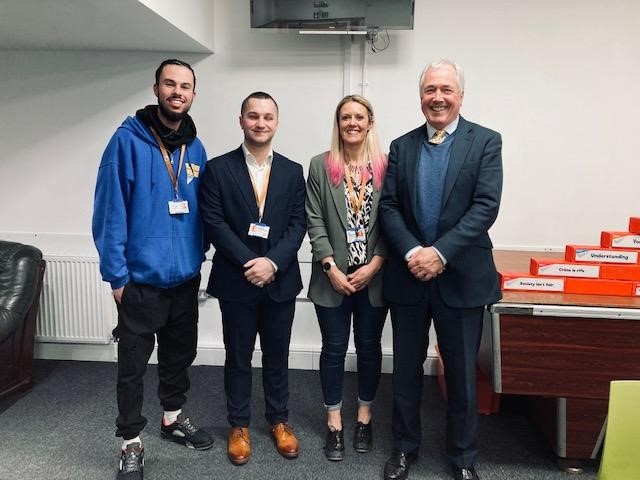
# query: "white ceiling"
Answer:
x=90 y=25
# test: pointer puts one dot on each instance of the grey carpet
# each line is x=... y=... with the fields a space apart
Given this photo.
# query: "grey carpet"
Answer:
x=62 y=428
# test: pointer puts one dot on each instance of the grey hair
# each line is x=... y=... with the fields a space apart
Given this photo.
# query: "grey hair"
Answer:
x=441 y=63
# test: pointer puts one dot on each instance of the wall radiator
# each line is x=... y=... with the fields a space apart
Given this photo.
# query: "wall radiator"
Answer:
x=75 y=305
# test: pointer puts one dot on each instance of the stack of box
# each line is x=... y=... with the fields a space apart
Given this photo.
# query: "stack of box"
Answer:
x=611 y=268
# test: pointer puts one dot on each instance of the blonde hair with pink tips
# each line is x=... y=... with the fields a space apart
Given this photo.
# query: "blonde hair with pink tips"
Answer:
x=334 y=161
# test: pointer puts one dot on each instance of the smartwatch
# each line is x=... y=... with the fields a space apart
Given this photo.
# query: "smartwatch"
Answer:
x=326 y=266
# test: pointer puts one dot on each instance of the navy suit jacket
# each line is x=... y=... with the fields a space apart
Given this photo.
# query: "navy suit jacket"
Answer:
x=228 y=206
x=470 y=202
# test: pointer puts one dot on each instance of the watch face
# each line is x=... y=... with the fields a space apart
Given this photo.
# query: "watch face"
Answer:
x=326 y=266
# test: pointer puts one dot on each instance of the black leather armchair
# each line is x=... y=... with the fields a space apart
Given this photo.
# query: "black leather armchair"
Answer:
x=21 y=272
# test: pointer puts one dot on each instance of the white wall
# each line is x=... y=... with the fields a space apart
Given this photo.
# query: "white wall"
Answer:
x=196 y=20
x=557 y=79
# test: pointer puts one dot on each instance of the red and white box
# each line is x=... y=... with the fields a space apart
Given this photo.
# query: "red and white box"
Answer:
x=524 y=281
x=597 y=254
x=620 y=272
x=634 y=224
x=591 y=286
x=599 y=287
x=556 y=267
x=620 y=240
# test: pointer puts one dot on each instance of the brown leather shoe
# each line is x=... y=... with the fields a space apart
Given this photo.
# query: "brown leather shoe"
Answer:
x=286 y=441
x=239 y=445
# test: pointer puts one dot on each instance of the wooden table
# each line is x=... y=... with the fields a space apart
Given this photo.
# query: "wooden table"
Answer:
x=562 y=350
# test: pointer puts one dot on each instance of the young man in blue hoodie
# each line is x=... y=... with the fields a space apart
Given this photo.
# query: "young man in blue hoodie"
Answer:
x=147 y=230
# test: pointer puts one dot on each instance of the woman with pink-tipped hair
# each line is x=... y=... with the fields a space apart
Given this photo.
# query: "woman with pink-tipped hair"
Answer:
x=343 y=190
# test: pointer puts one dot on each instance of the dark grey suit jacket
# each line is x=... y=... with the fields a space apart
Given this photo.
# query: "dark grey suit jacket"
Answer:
x=327 y=220
x=471 y=198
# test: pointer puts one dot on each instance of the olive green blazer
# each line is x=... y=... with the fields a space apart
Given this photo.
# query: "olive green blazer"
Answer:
x=327 y=224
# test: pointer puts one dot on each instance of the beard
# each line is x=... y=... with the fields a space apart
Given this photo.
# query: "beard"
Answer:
x=172 y=115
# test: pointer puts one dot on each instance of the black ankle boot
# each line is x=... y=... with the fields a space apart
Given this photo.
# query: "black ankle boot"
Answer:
x=362 y=437
x=334 y=445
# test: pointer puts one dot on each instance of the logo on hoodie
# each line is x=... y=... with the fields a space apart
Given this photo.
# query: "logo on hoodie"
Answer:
x=193 y=171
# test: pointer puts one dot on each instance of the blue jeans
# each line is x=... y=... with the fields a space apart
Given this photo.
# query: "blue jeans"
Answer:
x=335 y=323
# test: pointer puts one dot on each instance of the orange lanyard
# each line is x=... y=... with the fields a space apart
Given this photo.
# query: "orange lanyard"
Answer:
x=356 y=202
x=263 y=194
x=167 y=161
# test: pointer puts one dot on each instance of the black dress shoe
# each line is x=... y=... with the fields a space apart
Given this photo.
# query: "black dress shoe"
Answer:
x=334 y=445
x=465 y=473
x=397 y=466
x=362 y=437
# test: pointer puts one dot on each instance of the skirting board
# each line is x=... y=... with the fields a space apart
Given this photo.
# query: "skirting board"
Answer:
x=299 y=358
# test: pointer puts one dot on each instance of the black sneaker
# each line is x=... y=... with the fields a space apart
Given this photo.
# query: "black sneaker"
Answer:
x=184 y=432
x=131 y=463
x=362 y=437
x=334 y=445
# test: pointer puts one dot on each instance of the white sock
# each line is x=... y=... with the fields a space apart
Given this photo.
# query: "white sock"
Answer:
x=133 y=440
x=172 y=416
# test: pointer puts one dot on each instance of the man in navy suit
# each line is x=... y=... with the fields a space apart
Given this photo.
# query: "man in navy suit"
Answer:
x=440 y=196
x=252 y=207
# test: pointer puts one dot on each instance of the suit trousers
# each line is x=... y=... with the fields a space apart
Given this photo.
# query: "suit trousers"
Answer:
x=147 y=312
x=241 y=323
x=458 y=332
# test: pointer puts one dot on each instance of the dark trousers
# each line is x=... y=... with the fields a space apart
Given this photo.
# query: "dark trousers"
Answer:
x=241 y=322
x=144 y=313
x=458 y=332
x=335 y=326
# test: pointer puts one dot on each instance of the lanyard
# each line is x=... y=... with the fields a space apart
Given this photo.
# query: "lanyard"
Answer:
x=263 y=194
x=167 y=161
x=356 y=202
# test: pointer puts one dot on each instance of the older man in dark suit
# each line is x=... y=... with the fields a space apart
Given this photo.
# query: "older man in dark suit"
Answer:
x=252 y=207
x=441 y=194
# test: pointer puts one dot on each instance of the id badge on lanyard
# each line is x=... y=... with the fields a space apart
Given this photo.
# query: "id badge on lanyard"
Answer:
x=355 y=235
x=259 y=229
x=177 y=205
x=358 y=234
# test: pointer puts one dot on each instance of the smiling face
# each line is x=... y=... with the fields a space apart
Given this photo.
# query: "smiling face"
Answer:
x=440 y=96
x=354 y=123
x=175 y=92
x=259 y=121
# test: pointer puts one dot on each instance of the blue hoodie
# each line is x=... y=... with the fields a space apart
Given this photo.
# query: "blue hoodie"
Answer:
x=136 y=237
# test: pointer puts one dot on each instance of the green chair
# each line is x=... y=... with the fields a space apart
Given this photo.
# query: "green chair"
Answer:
x=621 y=452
